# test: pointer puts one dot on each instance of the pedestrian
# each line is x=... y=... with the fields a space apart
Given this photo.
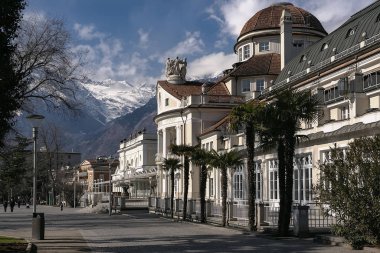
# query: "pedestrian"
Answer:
x=61 y=205
x=5 y=204
x=12 y=204
x=18 y=202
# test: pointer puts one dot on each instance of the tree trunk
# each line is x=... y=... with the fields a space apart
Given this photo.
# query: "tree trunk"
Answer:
x=224 y=195
x=172 y=192
x=250 y=139
x=185 y=186
x=202 y=191
x=281 y=179
x=289 y=168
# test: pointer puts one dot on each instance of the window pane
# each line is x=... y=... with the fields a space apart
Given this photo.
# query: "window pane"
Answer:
x=296 y=185
x=263 y=46
x=245 y=85
x=259 y=85
x=247 y=52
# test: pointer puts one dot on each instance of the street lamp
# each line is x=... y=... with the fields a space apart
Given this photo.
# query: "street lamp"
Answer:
x=35 y=121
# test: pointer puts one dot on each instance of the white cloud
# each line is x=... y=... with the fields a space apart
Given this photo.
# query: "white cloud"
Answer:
x=144 y=38
x=110 y=47
x=87 y=32
x=89 y=51
x=233 y=14
x=210 y=65
x=334 y=13
x=191 y=45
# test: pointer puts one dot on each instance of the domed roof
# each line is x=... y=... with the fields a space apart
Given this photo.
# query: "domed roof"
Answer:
x=269 y=18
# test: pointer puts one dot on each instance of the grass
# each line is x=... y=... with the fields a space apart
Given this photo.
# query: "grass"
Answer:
x=11 y=244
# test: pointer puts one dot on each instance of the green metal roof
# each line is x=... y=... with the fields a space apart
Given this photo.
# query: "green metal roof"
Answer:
x=341 y=44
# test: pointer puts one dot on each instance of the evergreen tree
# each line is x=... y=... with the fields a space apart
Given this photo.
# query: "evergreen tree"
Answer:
x=11 y=86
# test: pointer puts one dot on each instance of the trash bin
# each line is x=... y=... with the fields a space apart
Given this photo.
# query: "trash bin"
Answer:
x=38 y=226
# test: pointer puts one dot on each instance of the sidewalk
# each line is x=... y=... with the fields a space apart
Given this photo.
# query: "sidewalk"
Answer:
x=61 y=241
x=57 y=241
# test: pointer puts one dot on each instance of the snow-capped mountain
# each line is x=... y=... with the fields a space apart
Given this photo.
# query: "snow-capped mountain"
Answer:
x=103 y=104
x=110 y=99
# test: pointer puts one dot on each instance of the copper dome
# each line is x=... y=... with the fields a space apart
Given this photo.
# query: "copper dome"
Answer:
x=269 y=18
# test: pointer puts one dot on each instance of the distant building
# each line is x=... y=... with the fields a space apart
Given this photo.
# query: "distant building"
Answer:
x=136 y=174
x=94 y=175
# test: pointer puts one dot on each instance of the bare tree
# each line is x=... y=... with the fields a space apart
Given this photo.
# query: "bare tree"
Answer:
x=52 y=141
x=45 y=62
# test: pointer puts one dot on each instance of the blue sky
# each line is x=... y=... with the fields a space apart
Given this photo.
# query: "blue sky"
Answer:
x=131 y=39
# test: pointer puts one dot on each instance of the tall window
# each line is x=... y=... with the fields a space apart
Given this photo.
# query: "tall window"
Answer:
x=344 y=112
x=240 y=53
x=247 y=51
x=238 y=183
x=260 y=85
x=303 y=167
x=258 y=178
x=211 y=145
x=245 y=85
x=175 y=185
x=273 y=180
x=211 y=187
x=264 y=46
x=166 y=101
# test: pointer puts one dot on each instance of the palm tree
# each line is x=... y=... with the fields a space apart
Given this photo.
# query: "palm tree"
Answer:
x=202 y=158
x=284 y=116
x=186 y=151
x=224 y=161
x=248 y=116
x=171 y=164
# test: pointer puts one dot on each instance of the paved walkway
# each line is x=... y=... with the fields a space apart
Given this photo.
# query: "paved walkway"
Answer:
x=75 y=231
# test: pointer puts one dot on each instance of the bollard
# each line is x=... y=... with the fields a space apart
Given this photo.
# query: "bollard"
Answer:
x=38 y=226
x=301 y=220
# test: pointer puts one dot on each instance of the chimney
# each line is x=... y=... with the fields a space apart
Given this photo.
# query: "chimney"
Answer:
x=286 y=37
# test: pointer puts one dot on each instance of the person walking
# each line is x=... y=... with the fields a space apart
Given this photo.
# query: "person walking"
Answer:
x=18 y=202
x=5 y=204
x=61 y=205
x=12 y=204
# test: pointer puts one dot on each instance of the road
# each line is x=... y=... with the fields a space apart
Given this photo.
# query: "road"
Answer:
x=73 y=230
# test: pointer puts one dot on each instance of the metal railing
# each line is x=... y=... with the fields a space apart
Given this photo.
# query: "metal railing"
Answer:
x=318 y=219
x=237 y=214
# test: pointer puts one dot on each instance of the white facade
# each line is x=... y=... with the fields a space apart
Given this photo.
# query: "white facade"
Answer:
x=135 y=176
x=348 y=83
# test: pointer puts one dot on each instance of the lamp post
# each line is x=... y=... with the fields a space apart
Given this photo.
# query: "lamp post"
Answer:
x=35 y=121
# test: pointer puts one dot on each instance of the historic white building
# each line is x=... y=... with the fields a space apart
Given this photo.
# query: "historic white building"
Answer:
x=280 y=46
x=136 y=175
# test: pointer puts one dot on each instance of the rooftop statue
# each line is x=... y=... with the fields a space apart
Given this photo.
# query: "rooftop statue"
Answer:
x=176 y=69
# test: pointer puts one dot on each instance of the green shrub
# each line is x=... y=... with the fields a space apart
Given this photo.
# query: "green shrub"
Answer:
x=349 y=188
